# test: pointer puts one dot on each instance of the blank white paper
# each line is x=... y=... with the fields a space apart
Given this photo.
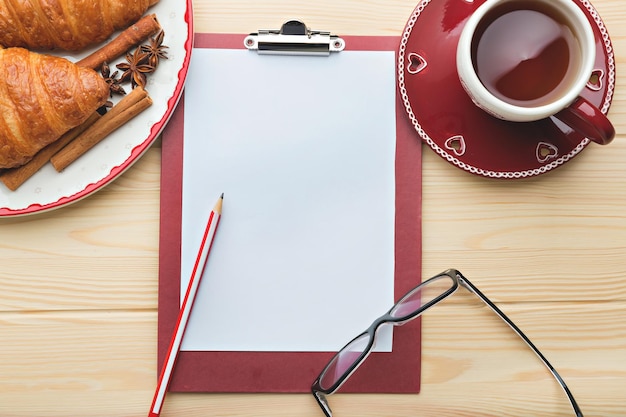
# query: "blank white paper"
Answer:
x=303 y=149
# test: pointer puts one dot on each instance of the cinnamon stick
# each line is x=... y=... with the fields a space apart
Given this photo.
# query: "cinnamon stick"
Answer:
x=129 y=107
x=15 y=177
x=133 y=35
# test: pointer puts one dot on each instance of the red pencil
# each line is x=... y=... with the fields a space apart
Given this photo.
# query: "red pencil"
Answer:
x=185 y=309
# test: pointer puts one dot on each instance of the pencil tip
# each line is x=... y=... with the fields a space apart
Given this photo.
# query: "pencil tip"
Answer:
x=218 y=204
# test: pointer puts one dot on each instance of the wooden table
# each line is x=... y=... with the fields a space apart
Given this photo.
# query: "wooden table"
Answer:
x=78 y=286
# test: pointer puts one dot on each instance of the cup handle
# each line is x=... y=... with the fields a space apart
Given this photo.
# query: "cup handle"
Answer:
x=588 y=120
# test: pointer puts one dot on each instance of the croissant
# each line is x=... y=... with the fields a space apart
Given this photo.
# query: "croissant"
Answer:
x=41 y=98
x=65 y=24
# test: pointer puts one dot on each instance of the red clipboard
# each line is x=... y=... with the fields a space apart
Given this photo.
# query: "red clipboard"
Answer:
x=211 y=371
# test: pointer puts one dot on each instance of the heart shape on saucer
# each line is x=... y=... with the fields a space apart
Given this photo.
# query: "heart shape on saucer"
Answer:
x=416 y=64
x=447 y=120
x=456 y=144
x=546 y=152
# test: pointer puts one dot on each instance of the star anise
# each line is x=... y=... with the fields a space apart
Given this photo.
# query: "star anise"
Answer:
x=135 y=68
x=105 y=108
x=112 y=80
x=155 y=49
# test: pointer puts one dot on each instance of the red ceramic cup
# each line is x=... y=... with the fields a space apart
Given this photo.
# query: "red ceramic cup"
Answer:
x=526 y=60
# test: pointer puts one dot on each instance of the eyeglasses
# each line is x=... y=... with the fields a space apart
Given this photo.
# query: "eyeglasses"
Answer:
x=411 y=306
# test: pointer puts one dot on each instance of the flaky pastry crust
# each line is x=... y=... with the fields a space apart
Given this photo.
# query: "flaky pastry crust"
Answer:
x=71 y=25
x=41 y=98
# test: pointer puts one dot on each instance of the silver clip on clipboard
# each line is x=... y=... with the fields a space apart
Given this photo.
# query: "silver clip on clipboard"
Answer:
x=294 y=38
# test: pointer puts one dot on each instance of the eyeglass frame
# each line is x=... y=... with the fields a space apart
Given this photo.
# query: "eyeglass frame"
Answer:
x=458 y=280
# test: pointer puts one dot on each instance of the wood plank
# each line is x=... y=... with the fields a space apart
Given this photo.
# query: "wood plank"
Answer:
x=109 y=357
x=101 y=252
x=348 y=16
x=560 y=236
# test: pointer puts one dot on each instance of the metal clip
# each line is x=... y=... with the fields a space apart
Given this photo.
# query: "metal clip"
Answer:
x=294 y=38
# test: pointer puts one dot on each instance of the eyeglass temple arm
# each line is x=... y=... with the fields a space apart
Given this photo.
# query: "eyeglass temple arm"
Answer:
x=470 y=287
x=323 y=403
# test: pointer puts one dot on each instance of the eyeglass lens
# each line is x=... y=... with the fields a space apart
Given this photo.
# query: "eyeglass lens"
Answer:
x=405 y=309
x=422 y=295
x=343 y=361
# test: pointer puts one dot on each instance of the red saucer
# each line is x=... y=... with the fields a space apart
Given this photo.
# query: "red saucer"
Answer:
x=447 y=120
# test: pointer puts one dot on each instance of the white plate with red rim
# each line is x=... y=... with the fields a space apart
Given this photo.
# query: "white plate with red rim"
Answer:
x=49 y=189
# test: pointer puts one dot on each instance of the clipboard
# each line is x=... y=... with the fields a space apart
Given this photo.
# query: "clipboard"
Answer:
x=396 y=371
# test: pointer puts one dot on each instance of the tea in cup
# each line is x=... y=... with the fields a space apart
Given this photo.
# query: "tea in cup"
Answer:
x=526 y=60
